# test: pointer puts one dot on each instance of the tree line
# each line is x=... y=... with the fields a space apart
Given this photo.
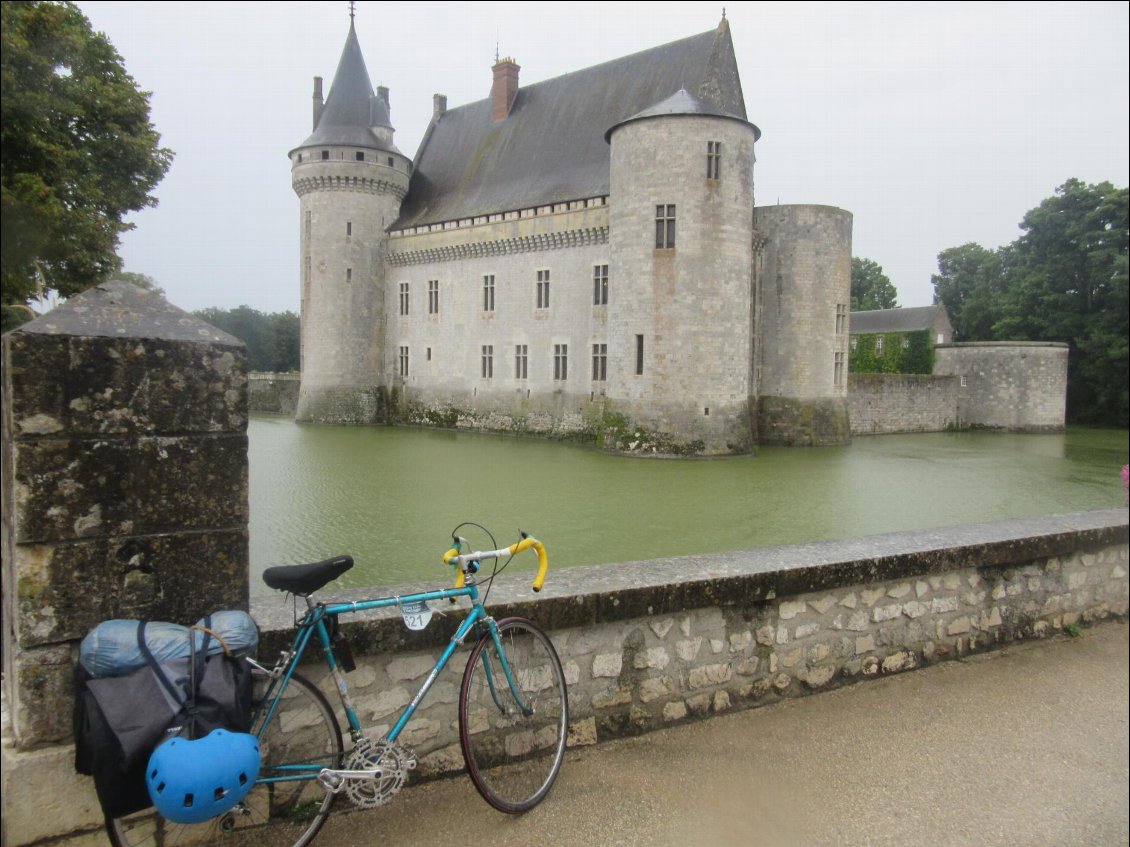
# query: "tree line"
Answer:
x=272 y=339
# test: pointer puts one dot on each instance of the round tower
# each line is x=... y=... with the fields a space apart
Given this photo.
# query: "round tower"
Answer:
x=803 y=293
x=350 y=180
x=681 y=246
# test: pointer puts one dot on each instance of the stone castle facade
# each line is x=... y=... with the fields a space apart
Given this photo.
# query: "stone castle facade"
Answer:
x=580 y=258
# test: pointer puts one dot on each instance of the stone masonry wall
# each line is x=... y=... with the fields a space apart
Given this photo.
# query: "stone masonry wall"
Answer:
x=1010 y=385
x=273 y=392
x=125 y=484
x=652 y=643
x=886 y=403
x=803 y=291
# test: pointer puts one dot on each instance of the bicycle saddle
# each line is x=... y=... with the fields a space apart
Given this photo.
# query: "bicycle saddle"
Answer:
x=306 y=579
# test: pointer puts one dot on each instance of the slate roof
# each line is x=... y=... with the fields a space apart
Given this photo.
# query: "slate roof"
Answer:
x=552 y=147
x=896 y=320
x=346 y=115
x=682 y=102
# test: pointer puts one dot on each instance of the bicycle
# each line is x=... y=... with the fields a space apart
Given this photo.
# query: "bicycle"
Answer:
x=513 y=715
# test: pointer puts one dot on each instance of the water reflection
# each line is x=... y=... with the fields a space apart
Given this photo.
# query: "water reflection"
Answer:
x=391 y=496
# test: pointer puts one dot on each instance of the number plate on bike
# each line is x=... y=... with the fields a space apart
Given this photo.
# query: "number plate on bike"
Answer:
x=416 y=614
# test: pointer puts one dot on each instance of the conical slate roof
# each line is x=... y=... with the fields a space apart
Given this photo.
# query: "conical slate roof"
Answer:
x=346 y=116
x=682 y=102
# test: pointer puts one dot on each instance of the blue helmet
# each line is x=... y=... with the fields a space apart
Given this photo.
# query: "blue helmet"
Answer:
x=192 y=781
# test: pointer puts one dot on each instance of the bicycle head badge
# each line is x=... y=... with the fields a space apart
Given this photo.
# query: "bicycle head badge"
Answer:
x=192 y=781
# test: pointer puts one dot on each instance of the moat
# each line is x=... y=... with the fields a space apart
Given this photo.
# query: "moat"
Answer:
x=391 y=496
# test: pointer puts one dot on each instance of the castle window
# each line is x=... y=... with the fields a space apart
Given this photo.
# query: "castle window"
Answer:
x=520 y=361
x=433 y=296
x=349 y=274
x=325 y=154
x=713 y=159
x=543 y=289
x=488 y=293
x=428 y=354
x=599 y=362
x=348 y=228
x=854 y=344
x=639 y=355
x=404 y=361
x=560 y=361
x=878 y=345
x=838 y=374
x=964 y=381
x=360 y=157
x=600 y=285
x=404 y=298
x=906 y=342
x=307 y=225
x=488 y=361
x=841 y=318
x=391 y=162
x=664 y=227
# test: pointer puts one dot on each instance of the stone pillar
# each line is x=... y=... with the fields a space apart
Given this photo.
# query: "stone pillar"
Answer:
x=124 y=489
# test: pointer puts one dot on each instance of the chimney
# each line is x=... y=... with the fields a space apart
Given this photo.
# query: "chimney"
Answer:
x=504 y=89
x=439 y=106
x=318 y=102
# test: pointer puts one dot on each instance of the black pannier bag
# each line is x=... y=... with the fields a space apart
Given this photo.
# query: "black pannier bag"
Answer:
x=120 y=720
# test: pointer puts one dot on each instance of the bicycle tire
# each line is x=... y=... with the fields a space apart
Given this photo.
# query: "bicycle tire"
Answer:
x=513 y=759
x=281 y=814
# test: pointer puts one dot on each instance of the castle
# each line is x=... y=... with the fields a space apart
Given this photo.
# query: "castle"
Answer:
x=579 y=258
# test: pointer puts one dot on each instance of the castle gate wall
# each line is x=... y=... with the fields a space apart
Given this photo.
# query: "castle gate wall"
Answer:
x=1010 y=385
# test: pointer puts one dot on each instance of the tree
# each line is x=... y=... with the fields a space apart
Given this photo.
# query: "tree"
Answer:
x=272 y=340
x=870 y=287
x=968 y=284
x=78 y=152
x=141 y=281
x=1068 y=281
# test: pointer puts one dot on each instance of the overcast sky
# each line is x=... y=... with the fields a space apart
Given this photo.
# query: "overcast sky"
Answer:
x=935 y=124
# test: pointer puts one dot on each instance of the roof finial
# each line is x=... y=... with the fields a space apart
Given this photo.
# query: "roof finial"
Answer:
x=496 y=45
x=723 y=13
x=353 y=10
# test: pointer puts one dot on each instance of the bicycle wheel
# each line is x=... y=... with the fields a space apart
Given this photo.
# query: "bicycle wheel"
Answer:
x=275 y=813
x=513 y=754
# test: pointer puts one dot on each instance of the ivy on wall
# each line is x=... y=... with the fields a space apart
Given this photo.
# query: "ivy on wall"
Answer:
x=916 y=356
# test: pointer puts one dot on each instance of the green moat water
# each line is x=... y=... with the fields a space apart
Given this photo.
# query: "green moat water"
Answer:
x=390 y=497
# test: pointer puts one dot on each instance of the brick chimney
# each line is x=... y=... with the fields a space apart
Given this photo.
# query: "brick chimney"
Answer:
x=504 y=89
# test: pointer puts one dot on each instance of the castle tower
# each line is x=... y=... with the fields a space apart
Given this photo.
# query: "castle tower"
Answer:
x=681 y=239
x=803 y=292
x=350 y=179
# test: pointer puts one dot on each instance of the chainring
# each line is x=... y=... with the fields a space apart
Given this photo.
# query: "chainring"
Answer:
x=392 y=762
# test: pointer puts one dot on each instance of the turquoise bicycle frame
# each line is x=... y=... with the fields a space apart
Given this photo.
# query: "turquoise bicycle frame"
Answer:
x=315 y=621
